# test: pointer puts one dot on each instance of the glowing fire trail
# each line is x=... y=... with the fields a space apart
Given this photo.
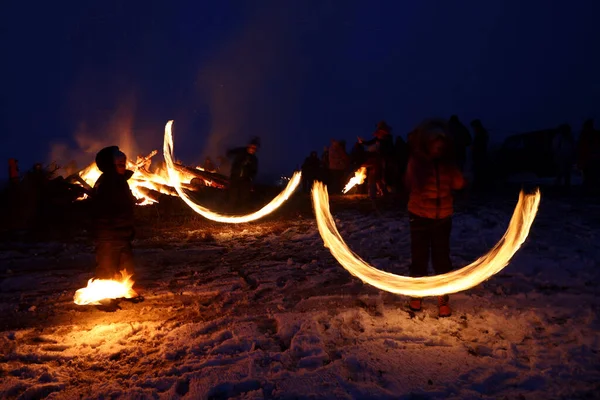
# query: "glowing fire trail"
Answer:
x=357 y=179
x=205 y=212
x=473 y=274
x=100 y=289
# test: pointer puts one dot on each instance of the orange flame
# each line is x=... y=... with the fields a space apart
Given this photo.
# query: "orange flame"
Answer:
x=141 y=178
x=175 y=181
x=100 y=289
x=357 y=179
x=467 y=277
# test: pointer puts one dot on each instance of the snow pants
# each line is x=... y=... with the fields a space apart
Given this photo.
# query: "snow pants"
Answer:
x=112 y=256
x=429 y=236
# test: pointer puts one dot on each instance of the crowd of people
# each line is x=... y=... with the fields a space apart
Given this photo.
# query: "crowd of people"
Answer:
x=386 y=157
x=428 y=166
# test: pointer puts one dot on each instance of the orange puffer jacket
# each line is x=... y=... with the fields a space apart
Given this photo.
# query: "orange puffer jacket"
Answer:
x=430 y=185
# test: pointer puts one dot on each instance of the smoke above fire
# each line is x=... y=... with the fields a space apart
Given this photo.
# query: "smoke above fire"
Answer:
x=253 y=84
x=94 y=133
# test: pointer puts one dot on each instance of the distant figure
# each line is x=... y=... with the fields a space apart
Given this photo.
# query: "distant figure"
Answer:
x=380 y=158
x=310 y=171
x=13 y=171
x=431 y=176
x=588 y=157
x=113 y=219
x=325 y=165
x=338 y=164
x=563 y=149
x=208 y=165
x=461 y=140
x=243 y=171
x=223 y=166
x=401 y=156
x=479 y=150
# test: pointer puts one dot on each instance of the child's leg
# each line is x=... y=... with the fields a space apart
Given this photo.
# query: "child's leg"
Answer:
x=420 y=241
x=107 y=259
x=440 y=246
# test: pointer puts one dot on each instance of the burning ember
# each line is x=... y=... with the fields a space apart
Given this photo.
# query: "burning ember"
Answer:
x=357 y=179
x=471 y=275
x=100 y=289
x=175 y=181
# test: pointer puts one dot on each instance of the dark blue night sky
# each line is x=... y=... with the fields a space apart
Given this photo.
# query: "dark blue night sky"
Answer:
x=296 y=73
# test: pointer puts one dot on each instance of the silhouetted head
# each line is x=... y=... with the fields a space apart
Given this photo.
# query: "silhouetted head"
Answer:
x=430 y=140
x=384 y=127
x=314 y=154
x=111 y=159
x=453 y=119
x=588 y=124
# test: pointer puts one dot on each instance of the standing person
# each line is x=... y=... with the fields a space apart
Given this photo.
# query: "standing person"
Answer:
x=563 y=149
x=338 y=164
x=208 y=165
x=588 y=157
x=325 y=165
x=431 y=177
x=113 y=204
x=310 y=171
x=13 y=172
x=461 y=140
x=243 y=171
x=481 y=140
x=379 y=159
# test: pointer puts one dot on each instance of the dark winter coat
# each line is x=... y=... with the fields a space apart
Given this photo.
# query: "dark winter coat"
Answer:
x=311 y=166
x=385 y=144
x=244 y=165
x=112 y=202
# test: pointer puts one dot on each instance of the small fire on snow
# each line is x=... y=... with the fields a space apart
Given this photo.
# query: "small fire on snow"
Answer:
x=101 y=289
x=357 y=179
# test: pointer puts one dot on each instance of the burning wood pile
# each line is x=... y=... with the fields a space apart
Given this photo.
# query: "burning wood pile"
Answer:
x=147 y=183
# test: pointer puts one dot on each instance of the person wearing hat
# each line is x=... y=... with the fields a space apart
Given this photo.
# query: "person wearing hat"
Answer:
x=243 y=171
x=431 y=176
x=379 y=158
x=113 y=204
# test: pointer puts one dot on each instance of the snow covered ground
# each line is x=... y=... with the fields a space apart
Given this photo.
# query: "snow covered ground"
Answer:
x=263 y=310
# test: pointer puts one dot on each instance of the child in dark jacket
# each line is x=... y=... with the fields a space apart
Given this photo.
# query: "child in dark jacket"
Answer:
x=113 y=205
x=431 y=176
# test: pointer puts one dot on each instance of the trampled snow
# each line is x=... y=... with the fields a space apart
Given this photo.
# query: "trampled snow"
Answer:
x=262 y=310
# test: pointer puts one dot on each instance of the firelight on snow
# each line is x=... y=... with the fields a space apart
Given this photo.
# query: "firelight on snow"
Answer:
x=101 y=289
x=175 y=181
x=357 y=179
x=467 y=277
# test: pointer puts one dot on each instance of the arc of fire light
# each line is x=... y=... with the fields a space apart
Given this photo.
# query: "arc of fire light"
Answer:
x=205 y=212
x=467 y=277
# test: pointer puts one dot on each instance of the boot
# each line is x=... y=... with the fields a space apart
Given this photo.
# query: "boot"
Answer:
x=444 y=306
x=415 y=303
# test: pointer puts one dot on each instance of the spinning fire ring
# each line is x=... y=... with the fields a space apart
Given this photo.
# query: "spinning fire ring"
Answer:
x=467 y=277
x=205 y=212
